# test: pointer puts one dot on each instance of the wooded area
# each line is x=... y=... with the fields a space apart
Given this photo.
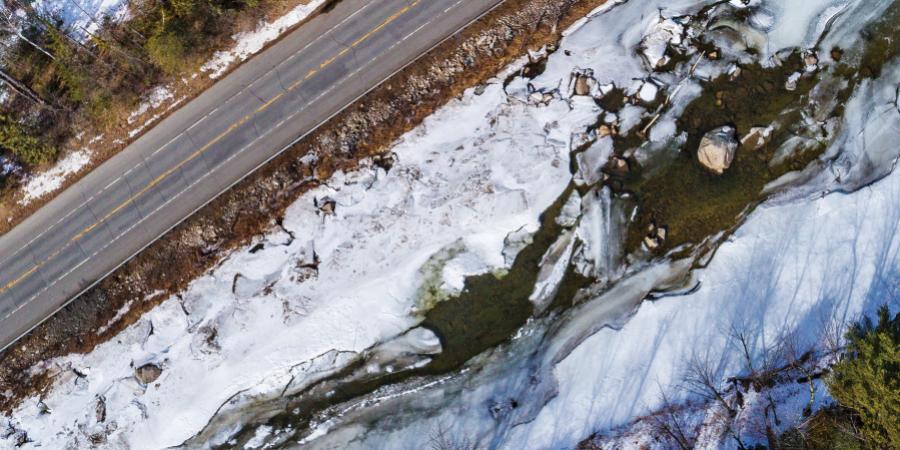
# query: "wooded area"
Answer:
x=59 y=79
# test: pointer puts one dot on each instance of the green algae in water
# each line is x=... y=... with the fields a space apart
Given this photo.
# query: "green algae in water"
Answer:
x=694 y=203
x=430 y=292
x=613 y=101
x=882 y=42
x=486 y=313
x=489 y=309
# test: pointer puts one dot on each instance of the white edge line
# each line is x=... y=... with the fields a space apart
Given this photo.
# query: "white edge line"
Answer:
x=250 y=172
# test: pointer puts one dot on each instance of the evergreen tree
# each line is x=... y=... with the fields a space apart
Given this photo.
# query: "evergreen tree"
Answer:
x=867 y=379
x=27 y=148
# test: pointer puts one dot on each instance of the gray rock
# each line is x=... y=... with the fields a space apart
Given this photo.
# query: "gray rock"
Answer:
x=570 y=212
x=147 y=373
x=514 y=243
x=651 y=242
x=326 y=205
x=811 y=61
x=583 y=81
x=717 y=149
x=756 y=138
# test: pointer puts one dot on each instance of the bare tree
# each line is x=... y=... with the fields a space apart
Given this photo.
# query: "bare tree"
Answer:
x=832 y=334
x=441 y=439
x=20 y=87
x=672 y=424
x=804 y=362
x=760 y=371
x=51 y=28
x=118 y=46
x=702 y=378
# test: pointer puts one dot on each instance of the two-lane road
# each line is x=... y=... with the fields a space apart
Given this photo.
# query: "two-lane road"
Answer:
x=208 y=145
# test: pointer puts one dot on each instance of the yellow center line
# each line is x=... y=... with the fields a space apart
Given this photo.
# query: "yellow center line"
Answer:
x=383 y=24
x=22 y=277
x=269 y=103
x=327 y=62
x=201 y=150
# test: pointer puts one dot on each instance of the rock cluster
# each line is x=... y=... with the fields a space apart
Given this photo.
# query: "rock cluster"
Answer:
x=655 y=237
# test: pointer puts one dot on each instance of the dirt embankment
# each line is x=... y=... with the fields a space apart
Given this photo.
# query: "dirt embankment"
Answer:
x=365 y=129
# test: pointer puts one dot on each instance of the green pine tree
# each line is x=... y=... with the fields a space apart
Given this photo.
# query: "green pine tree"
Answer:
x=27 y=148
x=867 y=379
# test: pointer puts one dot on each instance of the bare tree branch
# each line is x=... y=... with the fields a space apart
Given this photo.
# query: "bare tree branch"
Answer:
x=20 y=87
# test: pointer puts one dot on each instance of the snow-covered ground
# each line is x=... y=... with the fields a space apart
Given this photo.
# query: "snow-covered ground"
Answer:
x=155 y=98
x=349 y=275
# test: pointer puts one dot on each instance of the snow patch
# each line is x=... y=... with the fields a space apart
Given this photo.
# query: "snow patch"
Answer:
x=155 y=99
x=53 y=178
x=83 y=17
x=251 y=42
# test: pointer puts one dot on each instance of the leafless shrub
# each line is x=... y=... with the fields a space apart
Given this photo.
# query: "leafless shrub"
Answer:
x=442 y=439
x=702 y=378
x=672 y=425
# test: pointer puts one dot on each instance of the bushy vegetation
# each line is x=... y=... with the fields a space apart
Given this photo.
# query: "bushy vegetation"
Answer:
x=867 y=380
x=62 y=80
x=24 y=145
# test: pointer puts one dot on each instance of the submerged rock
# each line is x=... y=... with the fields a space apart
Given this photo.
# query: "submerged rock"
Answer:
x=618 y=166
x=717 y=148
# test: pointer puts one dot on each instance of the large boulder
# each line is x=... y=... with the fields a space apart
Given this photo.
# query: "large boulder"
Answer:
x=717 y=149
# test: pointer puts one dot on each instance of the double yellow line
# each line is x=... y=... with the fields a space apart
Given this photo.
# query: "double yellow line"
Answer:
x=204 y=148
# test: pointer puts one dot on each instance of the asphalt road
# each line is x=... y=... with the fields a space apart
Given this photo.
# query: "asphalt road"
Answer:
x=210 y=144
